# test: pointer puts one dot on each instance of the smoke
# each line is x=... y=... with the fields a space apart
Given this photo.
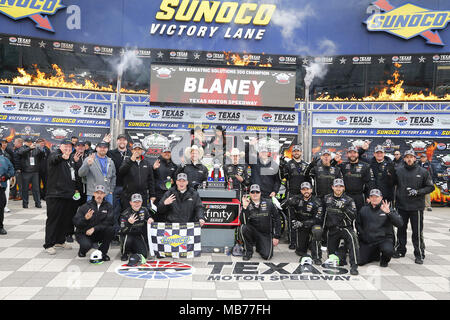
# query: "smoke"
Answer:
x=128 y=61
x=316 y=69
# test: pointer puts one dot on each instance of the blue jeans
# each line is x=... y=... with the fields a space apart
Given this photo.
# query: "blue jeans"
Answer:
x=108 y=198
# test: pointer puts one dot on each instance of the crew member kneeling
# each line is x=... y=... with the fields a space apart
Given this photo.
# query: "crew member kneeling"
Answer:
x=340 y=213
x=376 y=234
x=260 y=224
x=133 y=228
x=307 y=221
x=94 y=222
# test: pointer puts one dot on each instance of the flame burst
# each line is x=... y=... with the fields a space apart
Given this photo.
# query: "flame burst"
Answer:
x=59 y=80
x=393 y=91
x=438 y=196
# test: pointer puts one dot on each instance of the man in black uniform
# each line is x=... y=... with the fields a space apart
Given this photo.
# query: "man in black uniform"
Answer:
x=196 y=172
x=323 y=174
x=59 y=199
x=117 y=156
x=237 y=172
x=94 y=223
x=398 y=159
x=307 y=219
x=133 y=228
x=424 y=163
x=383 y=171
x=137 y=174
x=164 y=171
x=358 y=177
x=340 y=213
x=260 y=224
x=413 y=183
x=181 y=203
x=374 y=224
x=294 y=173
x=30 y=157
x=265 y=173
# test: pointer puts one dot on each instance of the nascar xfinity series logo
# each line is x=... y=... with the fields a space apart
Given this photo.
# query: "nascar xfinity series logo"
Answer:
x=36 y=10
x=408 y=21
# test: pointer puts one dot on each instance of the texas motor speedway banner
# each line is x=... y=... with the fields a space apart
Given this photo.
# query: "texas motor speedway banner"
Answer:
x=222 y=86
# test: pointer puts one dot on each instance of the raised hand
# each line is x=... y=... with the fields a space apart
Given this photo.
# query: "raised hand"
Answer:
x=245 y=202
x=170 y=200
x=132 y=219
x=157 y=164
x=90 y=159
x=385 y=207
x=89 y=214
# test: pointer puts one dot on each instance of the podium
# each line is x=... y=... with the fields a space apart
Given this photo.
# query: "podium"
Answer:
x=222 y=210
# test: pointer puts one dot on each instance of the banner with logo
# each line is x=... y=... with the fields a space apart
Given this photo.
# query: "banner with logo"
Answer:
x=222 y=213
x=175 y=240
x=222 y=86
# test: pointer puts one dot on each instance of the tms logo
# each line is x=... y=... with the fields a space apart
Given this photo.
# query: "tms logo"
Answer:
x=342 y=120
x=266 y=117
x=33 y=9
x=408 y=21
x=75 y=109
x=156 y=270
x=211 y=115
x=9 y=105
x=154 y=113
x=401 y=121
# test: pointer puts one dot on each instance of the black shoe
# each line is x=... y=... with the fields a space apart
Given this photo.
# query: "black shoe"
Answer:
x=25 y=206
x=38 y=206
x=397 y=255
x=3 y=231
x=124 y=257
x=292 y=246
x=383 y=264
x=418 y=260
x=106 y=257
x=69 y=238
x=247 y=257
x=81 y=254
x=317 y=262
x=354 y=271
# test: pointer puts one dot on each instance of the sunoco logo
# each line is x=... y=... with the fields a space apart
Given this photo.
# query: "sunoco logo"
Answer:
x=175 y=240
x=341 y=120
x=35 y=10
x=211 y=115
x=9 y=105
x=153 y=113
x=75 y=109
x=266 y=117
x=408 y=21
x=401 y=121
x=156 y=270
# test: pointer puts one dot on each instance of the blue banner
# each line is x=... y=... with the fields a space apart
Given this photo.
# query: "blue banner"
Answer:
x=382 y=132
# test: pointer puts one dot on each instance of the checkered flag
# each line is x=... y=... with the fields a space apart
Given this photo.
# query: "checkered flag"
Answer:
x=175 y=240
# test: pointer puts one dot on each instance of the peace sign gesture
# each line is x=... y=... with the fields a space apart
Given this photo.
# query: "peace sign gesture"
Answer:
x=385 y=207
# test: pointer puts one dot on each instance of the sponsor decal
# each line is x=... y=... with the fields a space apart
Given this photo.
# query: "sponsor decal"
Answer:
x=31 y=106
x=95 y=110
x=229 y=116
x=103 y=50
x=164 y=72
x=324 y=60
x=211 y=115
x=220 y=213
x=75 y=109
x=401 y=121
x=266 y=117
x=282 y=78
x=342 y=120
x=156 y=270
x=285 y=117
x=287 y=60
x=59 y=133
x=9 y=105
x=421 y=121
x=402 y=59
x=172 y=114
x=408 y=21
x=175 y=240
x=362 y=60
x=441 y=146
x=154 y=113
x=214 y=56
x=441 y=58
x=38 y=11
x=179 y=55
x=63 y=46
x=89 y=135
x=19 y=41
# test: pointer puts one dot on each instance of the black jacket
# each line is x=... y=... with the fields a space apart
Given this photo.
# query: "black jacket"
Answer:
x=7 y=153
x=166 y=169
x=43 y=164
x=294 y=173
x=59 y=180
x=323 y=177
x=383 y=173
x=358 y=177
x=398 y=162
x=137 y=178
x=264 y=218
x=17 y=161
x=231 y=170
x=139 y=227
x=102 y=217
x=267 y=176
x=374 y=225
x=310 y=212
x=26 y=153
x=117 y=157
x=414 y=177
x=187 y=207
x=196 y=174
x=340 y=212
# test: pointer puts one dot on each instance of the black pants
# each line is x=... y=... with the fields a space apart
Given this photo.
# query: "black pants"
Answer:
x=59 y=219
x=33 y=178
x=133 y=243
x=369 y=252
x=2 y=206
x=262 y=241
x=416 y=218
x=43 y=178
x=104 y=236
x=305 y=239
x=351 y=242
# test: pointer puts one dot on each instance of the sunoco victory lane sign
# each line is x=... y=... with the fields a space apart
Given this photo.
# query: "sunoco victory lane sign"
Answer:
x=222 y=86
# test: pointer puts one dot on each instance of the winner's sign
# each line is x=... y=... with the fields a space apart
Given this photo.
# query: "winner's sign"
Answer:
x=222 y=86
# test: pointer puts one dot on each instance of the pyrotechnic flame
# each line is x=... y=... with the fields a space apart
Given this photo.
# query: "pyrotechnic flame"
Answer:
x=59 y=80
x=236 y=60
